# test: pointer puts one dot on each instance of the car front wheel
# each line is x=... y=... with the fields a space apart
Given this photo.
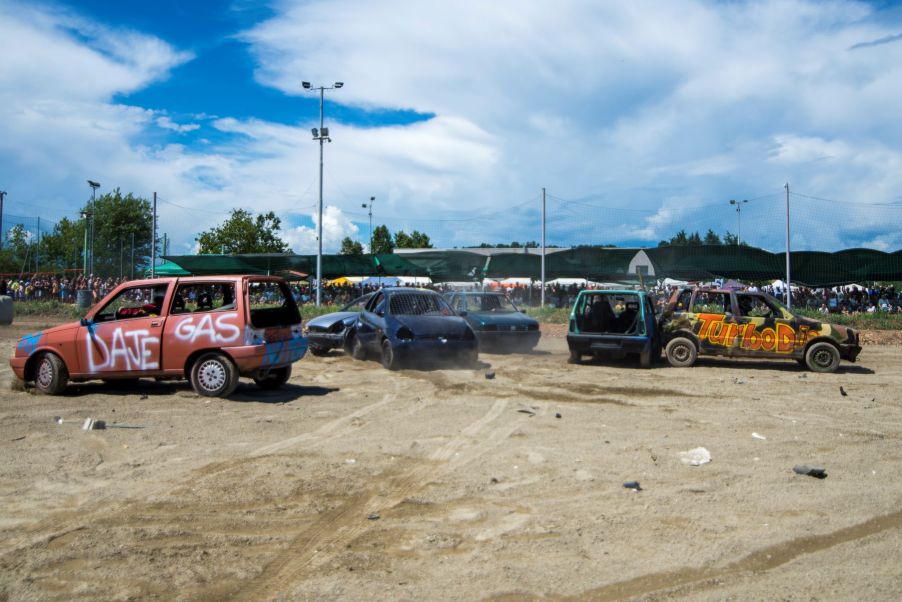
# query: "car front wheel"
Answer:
x=214 y=375
x=51 y=376
x=575 y=357
x=358 y=351
x=822 y=357
x=681 y=352
x=389 y=359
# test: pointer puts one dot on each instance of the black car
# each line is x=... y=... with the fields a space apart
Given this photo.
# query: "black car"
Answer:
x=408 y=323
x=331 y=331
x=498 y=324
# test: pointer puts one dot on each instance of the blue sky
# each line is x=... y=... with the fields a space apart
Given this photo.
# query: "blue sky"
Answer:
x=639 y=119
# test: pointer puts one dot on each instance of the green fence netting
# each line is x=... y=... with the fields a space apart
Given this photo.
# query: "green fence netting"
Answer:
x=704 y=262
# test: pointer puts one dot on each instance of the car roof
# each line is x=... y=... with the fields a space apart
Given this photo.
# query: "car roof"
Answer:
x=408 y=289
x=597 y=291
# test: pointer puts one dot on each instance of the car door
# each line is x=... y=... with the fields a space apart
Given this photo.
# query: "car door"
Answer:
x=125 y=335
x=368 y=323
x=715 y=324
x=765 y=329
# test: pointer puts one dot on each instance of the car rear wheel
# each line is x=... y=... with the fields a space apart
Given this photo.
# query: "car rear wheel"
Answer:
x=645 y=359
x=214 y=375
x=681 y=352
x=50 y=376
x=389 y=360
x=575 y=357
x=822 y=357
x=275 y=379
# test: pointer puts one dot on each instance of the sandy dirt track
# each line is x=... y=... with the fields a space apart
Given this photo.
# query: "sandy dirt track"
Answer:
x=356 y=483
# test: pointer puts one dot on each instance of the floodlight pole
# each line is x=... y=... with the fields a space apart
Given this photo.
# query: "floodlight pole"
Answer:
x=788 y=285
x=321 y=136
x=94 y=186
x=543 y=247
x=738 y=219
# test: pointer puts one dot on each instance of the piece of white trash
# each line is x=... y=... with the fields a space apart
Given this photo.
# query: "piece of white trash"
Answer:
x=695 y=457
x=757 y=436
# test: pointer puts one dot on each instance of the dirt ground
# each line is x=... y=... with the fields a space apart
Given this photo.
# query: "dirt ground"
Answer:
x=356 y=483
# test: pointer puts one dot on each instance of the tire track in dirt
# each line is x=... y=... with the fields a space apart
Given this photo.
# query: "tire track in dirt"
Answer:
x=65 y=521
x=336 y=528
x=762 y=560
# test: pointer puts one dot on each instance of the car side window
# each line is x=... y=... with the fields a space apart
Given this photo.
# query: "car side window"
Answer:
x=711 y=303
x=203 y=296
x=134 y=302
x=682 y=303
x=753 y=306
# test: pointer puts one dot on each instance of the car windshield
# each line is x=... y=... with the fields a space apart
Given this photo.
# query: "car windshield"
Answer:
x=493 y=303
x=357 y=304
x=413 y=304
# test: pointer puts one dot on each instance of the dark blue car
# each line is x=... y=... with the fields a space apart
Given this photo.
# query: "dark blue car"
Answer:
x=498 y=324
x=402 y=324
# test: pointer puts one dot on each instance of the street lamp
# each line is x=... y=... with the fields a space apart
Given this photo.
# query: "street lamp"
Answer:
x=370 y=207
x=321 y=135
x=738 y=219
x=94 y=186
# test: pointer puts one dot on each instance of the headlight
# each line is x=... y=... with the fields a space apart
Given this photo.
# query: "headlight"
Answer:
x=337 y=327
x=405 y=334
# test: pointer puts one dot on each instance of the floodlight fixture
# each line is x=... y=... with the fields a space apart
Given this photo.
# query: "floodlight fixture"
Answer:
x=306 y=85
x=315 y=133
x=339 y=84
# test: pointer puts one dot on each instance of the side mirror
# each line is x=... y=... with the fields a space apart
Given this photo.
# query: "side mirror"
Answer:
x=380 y=313
x=462 y=313
x=85 y=322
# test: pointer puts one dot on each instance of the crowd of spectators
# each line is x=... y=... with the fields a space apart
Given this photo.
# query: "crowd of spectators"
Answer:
x=63 y=288
x=847 y=299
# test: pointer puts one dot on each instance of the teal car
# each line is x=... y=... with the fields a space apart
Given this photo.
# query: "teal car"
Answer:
x=498 y=323
x=614 y=324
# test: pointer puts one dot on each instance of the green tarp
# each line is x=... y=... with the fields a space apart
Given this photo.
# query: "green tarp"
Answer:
x=703 y=262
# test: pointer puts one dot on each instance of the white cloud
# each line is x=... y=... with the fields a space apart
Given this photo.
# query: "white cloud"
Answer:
x=336 y=226
x=168 y=124
x=661 y=112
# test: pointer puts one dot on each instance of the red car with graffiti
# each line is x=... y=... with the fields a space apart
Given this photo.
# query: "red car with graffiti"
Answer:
x=704 y=321
x=209 y=330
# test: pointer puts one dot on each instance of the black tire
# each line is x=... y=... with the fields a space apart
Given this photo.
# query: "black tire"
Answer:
x=358 y=351
x=645 y=359
x=681 y=352
x=822 y=357
x=575 y=357
x=318 y=351
x=50 y=375
x=214 y=375
x=389 y=359
x=275 y=379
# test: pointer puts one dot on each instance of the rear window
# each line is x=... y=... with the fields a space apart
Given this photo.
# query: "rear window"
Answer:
x=271 y=304
x=411 y=304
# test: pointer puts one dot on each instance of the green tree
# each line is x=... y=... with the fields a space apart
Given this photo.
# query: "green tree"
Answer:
x=350 y=247
x=62 y=248
x=382 y=240
x=414 y=240
x=730 y=239
x=244 y=233
x=116 y=218
x=694 y=240
x=711 y=238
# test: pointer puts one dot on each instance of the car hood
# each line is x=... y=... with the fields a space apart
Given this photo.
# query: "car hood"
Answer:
x=511 y=318
x=29 y=342
x=434 y=326
x=328 y=320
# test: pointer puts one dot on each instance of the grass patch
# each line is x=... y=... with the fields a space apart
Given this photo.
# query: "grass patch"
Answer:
x=550 y=315
x=875 y=321
x=49 y=309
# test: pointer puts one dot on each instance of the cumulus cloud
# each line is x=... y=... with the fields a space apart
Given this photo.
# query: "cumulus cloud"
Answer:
x=658 y=112
x=336 y=226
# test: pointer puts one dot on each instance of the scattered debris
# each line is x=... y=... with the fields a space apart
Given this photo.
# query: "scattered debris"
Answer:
x=557 y=415
x=373 y=516
x=525 y=411
x=757 y=436
x=739 y=381
x=143 y=395
x=489 y=374
x=350 y=461
x=493 y=481
x=843 y=391
x=803 y=375
x=634 y=485
x=811 y=471
x=58 y=419
x=91 y=424
x=695 y=457
x=19 y=438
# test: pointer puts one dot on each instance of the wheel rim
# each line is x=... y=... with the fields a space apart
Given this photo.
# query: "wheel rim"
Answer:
x=387 y=355
x=45 y=373
x=680 y=353
x=823 y=358
x=211 y=375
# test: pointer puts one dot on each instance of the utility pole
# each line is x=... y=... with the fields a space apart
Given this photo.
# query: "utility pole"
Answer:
x=37 y=249
x=94 y=186
x=370 y=206
x=2 y=196
x=788 y=286
x=133 y=256
x=153 y=239
x=543 y=247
